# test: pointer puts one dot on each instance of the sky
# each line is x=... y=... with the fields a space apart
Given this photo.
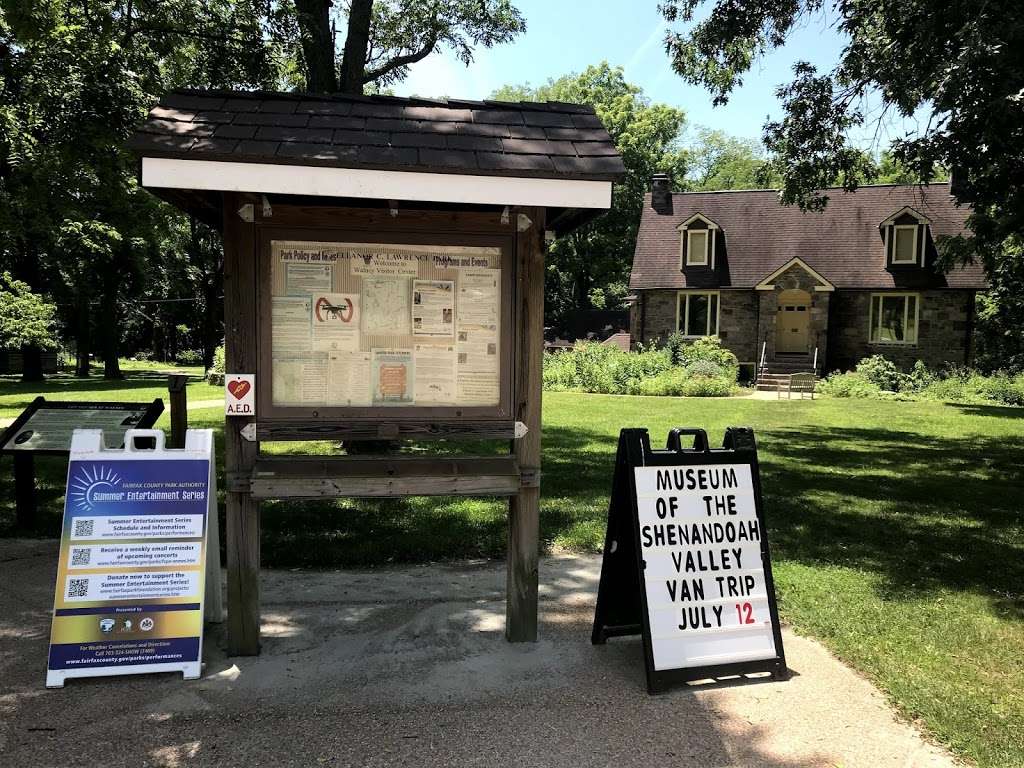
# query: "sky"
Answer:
x=566 y=36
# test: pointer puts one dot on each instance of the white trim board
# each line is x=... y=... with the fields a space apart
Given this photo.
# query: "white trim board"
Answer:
x=767 y=285
x=320 y=181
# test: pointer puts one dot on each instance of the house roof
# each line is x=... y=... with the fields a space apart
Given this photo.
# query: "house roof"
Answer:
x=843 y=244
x=486 y=138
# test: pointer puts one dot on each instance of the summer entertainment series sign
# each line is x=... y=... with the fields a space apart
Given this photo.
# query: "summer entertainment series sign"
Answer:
x=686 y=561
x=132 y=568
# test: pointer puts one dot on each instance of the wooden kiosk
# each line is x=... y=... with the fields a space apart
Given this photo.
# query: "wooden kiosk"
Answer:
x=383 y=280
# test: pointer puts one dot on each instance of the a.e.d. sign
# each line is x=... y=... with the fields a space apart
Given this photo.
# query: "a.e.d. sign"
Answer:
x=689 y=523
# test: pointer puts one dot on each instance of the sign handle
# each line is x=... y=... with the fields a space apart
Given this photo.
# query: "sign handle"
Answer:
x=131 y=434
x=700 y=440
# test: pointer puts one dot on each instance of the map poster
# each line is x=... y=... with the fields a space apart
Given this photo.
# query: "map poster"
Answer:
x=393 y=376
x=433 y=308
x=301 y=279
x=132 y=566
x=435 y=374
x=386 y=308
x=335 y=322
x=290 y=323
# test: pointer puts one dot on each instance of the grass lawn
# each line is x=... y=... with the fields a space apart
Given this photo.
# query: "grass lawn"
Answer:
x=143 y=381
x=897 y=532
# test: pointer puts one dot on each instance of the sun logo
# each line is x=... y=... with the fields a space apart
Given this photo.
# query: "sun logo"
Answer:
x=85 y=486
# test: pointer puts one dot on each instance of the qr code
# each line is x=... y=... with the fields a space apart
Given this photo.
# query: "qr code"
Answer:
x=80 y=556
x=83 y=527
x=78 y=587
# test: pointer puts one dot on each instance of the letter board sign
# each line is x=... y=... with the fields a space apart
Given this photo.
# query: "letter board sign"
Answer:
x=686 y=562
x=133 y=567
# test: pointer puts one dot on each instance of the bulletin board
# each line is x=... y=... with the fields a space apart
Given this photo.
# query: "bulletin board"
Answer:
x=403 y=327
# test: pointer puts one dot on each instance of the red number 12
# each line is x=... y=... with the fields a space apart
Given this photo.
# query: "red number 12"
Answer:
x=745 y=613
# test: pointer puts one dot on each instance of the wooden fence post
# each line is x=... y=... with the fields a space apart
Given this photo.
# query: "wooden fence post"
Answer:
x=524 y=507
x=240 y=355
x=179 y=408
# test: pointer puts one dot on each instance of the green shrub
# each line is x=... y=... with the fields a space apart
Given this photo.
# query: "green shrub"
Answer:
x=919 y=378
x=876 y=377
x=881 y=372
x=706 y=368
x=1005 y=388
x=593 y=367
x=215 y=375
x=218 y=360
x=676 y=343
x=190 y=357
x=706 y=386
x=854 y=385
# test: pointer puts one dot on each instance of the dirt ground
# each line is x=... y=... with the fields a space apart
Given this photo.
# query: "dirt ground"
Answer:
x=408 y=666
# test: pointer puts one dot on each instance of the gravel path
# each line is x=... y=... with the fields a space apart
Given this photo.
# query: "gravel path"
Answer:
x=407 y=666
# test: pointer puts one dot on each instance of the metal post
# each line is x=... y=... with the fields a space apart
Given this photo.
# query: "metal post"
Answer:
x=24 y=491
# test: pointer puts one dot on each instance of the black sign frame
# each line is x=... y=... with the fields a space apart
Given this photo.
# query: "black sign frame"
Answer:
x=150 y=413
x=622 y=596
x=24 y=460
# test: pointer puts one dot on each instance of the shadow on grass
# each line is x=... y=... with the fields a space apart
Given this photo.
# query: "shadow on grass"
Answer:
x=998 y=411
x=922 y=512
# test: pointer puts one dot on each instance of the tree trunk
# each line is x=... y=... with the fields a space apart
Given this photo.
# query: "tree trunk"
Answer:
x=318 y=43
x=112 y=328
x=31 y=363
x=82 y=340
x=353 y=61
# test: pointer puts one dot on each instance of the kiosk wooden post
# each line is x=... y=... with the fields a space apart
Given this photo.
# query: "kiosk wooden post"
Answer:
x=241 y=354
x=524 y=507
x=340 y=215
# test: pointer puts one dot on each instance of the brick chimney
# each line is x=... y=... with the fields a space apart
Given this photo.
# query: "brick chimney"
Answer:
x=661 y=193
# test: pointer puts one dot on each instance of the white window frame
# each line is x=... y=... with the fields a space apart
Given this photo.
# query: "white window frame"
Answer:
x=683 y=299
x=690 y=261
x=906 y=316
x=913 y=251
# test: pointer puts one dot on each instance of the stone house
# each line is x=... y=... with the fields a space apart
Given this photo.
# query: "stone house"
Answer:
x=832 y=287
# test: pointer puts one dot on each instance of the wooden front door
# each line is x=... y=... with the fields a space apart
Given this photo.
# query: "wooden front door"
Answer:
x=793 y=324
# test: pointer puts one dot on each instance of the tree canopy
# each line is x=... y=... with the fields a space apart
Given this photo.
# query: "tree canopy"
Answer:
x=589 y=269
x=957 y=67
x=26 y=318
x=383 y=38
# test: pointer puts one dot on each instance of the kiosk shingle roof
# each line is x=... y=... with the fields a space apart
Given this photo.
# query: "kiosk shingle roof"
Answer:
x=543 y=140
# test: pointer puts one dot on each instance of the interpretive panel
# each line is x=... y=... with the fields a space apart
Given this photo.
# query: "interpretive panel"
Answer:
x=381 y=325
x=46 y=426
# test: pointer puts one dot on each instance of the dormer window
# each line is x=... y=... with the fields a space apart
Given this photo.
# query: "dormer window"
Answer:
x=905 y=234
x=904 y=247
x=696 y=247
x=697 y=237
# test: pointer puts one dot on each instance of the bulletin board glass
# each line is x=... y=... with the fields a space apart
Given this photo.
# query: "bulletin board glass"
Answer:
x=362 y=326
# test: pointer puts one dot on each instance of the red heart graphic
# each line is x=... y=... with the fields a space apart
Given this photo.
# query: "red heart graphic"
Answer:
x=238 y=388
